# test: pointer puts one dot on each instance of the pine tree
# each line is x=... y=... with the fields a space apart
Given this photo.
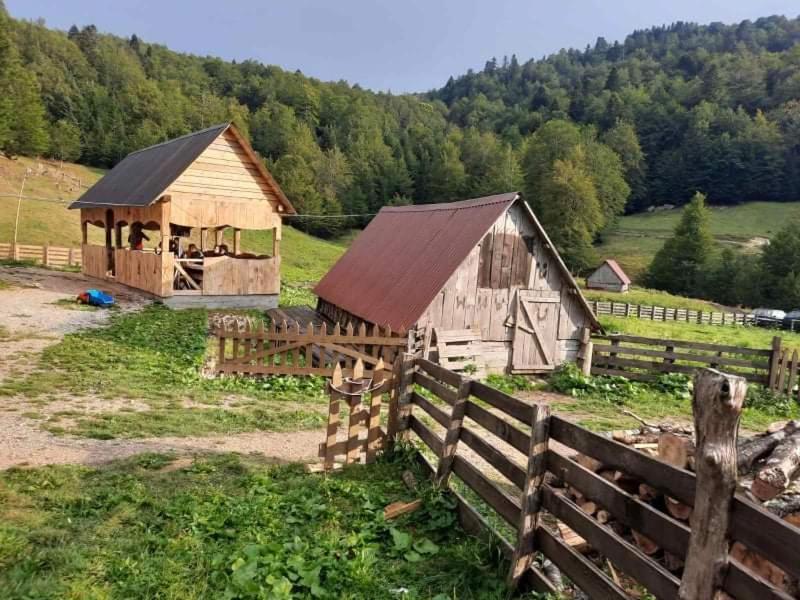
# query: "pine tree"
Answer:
x=679 y=266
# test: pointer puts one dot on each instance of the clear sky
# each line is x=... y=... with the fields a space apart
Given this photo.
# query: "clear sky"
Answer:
x=397 y=45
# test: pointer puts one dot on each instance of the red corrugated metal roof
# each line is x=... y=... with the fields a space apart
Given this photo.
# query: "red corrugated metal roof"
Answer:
x=617 y=270
x=398 y=264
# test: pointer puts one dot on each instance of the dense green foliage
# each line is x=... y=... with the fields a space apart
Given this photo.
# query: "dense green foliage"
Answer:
x=677 y=109
x=715 y=108
x=220 y=527
x=680 y=267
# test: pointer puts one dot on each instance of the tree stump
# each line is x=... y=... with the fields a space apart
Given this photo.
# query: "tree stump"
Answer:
x=717 y=405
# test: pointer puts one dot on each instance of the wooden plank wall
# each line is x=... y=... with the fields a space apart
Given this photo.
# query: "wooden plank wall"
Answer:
x=95 y=260
x=225 y=275
x=223 y=172
x=481 y=293
x=144 y=270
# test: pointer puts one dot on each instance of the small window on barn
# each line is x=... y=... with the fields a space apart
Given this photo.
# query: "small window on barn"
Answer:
x=530 y=242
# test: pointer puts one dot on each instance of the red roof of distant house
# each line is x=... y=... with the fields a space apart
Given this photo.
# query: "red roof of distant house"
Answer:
x=396 y=266
x=617 y=270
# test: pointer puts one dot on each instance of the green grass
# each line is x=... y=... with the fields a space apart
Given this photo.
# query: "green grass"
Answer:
x=733 y=335
x=222 y=527
x=645 y=296
x=156 y=356
x=599 y=402
x=636 y=238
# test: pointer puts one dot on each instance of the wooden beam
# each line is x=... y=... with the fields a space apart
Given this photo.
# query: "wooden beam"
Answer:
x=237 y=241
x=453 y=426
x=717 y=405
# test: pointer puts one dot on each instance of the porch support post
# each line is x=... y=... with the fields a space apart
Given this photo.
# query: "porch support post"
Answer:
x=237 y=241
x=276 y=241
x=165 y=216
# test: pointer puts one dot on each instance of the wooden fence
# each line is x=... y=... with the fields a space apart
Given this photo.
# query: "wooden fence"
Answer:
x=646 y=359
x=50 y=256
x=513 y=437
x=661 y=313
x=250 y=349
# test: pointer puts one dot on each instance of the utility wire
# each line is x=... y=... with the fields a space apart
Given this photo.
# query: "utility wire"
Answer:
x=301 y=216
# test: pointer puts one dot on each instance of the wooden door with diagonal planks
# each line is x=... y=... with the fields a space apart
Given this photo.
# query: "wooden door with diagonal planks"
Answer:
x=535 y=345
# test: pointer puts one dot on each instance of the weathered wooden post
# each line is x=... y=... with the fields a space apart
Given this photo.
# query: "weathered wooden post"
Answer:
x=774 y=361
x=586 y=351
x=717 y=405
x=531 y=499
x=400 y=400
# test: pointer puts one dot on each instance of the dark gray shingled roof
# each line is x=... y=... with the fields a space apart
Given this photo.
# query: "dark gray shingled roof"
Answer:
x=142 y=176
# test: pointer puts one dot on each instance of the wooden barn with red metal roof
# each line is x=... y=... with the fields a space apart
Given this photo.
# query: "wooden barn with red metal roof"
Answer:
x=479 y=280
x=609 y=276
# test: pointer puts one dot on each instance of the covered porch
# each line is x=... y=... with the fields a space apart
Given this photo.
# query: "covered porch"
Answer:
x=198 y=267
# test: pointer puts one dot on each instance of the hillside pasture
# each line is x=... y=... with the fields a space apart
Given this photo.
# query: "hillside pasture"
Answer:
x=635 y=239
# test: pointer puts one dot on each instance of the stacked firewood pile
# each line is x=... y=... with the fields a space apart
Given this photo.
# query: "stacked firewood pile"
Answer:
x=769 y=474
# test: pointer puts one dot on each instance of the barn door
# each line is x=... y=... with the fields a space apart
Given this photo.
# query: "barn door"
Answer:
x=535 y=345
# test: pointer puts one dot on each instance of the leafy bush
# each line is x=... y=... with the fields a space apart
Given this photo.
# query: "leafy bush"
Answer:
x=510 y=383
x=769 y=402
x=568 y=379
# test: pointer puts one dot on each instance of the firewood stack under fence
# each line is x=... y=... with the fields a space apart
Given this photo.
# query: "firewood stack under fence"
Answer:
x=769 y=474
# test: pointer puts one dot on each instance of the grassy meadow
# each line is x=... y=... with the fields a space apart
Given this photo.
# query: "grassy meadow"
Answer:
x=636 y=238
x=645 y=296
x=223 y=526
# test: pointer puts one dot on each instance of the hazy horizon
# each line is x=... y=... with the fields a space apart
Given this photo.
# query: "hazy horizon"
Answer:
x=403 y=47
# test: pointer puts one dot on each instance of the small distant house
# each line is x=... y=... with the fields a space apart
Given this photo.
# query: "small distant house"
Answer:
x=483 y=267
x=189 y=190
x=608 y=276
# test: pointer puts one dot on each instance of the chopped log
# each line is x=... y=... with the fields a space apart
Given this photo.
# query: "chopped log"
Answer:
x=572 y=539
x=588 y=507
x=793 y=519
x=626 y=482
x=784 y=505
x=675 y=450
x=575 y=494
x=603 y=516
x=396 y=509
x=757 y=564
x=588 y=462
x=645 y=544
x=607 y=474
x=673 y=562
x=753 y=449
x=717 y=405
x=677 y=509
x=779 y=469
x=647 y=493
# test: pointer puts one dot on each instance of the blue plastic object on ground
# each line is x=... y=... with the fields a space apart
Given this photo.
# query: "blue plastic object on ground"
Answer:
x=98 y=298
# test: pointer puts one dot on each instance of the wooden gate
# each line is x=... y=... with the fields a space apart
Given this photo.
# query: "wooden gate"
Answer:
x=535 y=343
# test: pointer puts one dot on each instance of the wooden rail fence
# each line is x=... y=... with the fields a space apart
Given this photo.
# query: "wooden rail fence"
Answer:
x=661 y=313
x=50 y=256
x=250 y=349
x=646 y=359
x=513 y=437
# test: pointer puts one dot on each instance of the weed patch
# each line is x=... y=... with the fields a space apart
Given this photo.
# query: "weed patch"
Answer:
x=225 y=528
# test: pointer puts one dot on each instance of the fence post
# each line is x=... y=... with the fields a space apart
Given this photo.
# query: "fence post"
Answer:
x=46 y=255
x=717 y=405
x=586 y=351
x=531 y=499
x=453 y=433
x=774 y=362
x=400 y=398
x=70 y=257
x=14 y=251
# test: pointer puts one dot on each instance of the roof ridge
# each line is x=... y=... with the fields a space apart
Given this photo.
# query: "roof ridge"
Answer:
x=183 y=137
x=457 y=205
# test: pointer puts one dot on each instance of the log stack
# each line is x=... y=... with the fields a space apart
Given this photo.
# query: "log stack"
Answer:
x=769 y=473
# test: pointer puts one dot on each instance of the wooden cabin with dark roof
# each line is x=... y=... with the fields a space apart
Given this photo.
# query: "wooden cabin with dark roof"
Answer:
x=187 y=190
x=479 y=280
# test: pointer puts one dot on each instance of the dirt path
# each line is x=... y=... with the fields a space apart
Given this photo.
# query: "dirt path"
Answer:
x=23 y=443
